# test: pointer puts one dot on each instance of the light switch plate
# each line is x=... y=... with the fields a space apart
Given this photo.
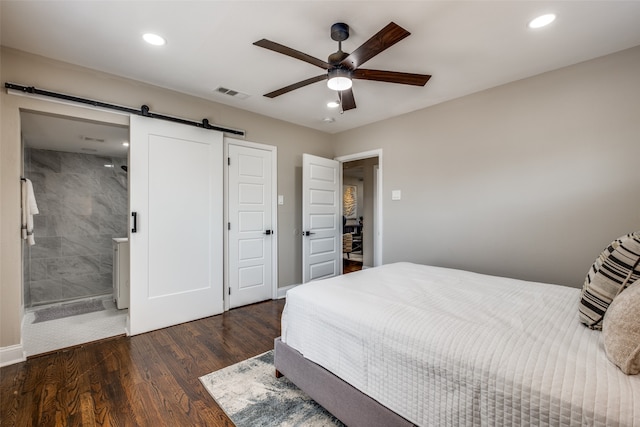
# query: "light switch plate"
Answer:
x=280 y=199
x=396 y=195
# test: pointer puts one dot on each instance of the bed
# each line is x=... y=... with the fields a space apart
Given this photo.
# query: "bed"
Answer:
x=409 y=344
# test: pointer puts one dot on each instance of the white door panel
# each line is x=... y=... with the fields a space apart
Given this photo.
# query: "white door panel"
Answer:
x=250 y=217
x=321 y=220
x=176 y=253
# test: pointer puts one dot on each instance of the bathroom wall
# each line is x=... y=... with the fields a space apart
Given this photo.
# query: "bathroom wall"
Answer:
x=82 y=206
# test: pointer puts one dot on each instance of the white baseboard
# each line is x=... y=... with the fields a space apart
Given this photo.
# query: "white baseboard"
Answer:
x=282 y=292
x=12 y=354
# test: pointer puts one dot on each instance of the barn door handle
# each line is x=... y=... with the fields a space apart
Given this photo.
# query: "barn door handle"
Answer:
x=135 y=222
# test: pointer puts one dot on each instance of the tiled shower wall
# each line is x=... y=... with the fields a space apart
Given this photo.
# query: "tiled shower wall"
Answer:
x=82 y=205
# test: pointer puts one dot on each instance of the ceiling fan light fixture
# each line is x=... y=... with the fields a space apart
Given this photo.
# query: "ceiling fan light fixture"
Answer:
x=339 y=79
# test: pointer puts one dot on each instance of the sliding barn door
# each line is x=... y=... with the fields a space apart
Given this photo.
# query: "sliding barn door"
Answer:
x=176 y=243
x=321 y=218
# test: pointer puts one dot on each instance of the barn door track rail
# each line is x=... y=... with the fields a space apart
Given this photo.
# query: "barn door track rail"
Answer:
x=142 y=111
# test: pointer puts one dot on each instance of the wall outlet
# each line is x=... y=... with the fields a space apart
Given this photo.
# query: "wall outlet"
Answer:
x=396 y=194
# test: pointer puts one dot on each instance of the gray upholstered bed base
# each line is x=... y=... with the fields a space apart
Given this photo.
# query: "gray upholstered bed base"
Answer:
x=345 y=402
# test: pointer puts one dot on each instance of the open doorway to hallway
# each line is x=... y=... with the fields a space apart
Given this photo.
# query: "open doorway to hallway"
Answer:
x=359 y=202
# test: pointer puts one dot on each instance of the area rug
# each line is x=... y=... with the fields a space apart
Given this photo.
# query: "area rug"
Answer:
x=68 y=310
x=252 y=396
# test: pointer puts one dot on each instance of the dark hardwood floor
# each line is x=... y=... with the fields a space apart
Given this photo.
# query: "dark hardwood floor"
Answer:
x=349 y=266
x=145 y=380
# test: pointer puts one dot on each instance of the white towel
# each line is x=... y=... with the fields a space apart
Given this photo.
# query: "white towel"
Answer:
x=29 y=209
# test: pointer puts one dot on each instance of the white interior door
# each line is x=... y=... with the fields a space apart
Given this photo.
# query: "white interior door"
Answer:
x=251 y=225
x=321 y=218
x=176 y=254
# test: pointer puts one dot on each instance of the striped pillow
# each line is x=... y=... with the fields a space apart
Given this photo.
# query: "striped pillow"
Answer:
x=615 y=268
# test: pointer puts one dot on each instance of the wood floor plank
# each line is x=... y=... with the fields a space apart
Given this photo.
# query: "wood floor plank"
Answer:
x=146 y=380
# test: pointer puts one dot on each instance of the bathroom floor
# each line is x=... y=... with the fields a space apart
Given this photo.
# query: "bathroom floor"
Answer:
x=43 y=336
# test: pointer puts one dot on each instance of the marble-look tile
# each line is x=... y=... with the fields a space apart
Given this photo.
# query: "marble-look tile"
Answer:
x=83 y=245
x=46 y=247
x=102 y=204
x=63 y=184
x=44 y=160
x=116 y=225
x=106 y=263
x=79 y=204
x=72 y=224
x=41 y=227
x=48 y=227
x=114 y=186
x=26 y=295
x=106 y=242
x=44 y=292
x=106 y=281
x=49 y=204
x=113 y=203
x=68 y=267
x=82 y=204
x=89 y=284
x=84 y=164
x=37 y=270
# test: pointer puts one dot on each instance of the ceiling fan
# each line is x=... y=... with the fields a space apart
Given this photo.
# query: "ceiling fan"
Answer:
x=343 y=67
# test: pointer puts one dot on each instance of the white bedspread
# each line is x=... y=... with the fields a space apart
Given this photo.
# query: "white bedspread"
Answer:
x=449 y=347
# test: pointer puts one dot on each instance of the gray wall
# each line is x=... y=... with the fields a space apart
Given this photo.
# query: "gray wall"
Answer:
x=529 y=180
x=82 y=206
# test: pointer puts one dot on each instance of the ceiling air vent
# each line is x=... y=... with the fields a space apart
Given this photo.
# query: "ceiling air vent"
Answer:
x=88 y=138
x=231 y=92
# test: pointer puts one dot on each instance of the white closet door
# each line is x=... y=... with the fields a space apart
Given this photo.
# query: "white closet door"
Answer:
x=251 y=225
x=176 y=194
x=321 y=218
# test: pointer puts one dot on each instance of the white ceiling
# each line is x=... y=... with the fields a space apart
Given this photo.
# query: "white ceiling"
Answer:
x=48 y=132
x=467 y=46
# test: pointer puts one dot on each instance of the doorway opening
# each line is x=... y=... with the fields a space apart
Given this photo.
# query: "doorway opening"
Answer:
x=361 y=211
x=78 y=170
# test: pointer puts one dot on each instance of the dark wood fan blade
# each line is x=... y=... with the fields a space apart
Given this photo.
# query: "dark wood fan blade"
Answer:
x=276 y=47
x=391 y=77
x=384 y=39
x=295 y=86
x=348 y=102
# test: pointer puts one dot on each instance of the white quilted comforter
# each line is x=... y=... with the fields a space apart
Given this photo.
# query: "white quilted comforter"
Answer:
x=448 y=347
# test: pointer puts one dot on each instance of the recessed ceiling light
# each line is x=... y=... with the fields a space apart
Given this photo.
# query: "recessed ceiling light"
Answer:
x=126 y=144
x=328 y=120
x=333 y=104
x=542 y=21
x=154 y=39
x=108 y=166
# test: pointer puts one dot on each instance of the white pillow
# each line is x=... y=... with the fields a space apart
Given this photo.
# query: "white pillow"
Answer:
x=621 y=330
